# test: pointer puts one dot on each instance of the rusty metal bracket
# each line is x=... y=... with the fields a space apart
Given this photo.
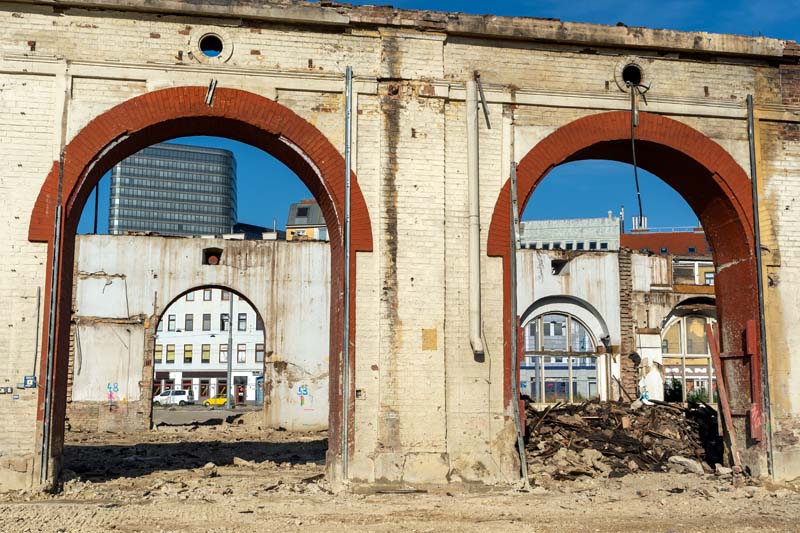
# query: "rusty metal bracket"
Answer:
x=756 y=418
x=725 y=407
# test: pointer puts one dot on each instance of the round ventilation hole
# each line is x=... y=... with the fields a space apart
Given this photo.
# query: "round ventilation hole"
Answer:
x=632 y=74
x=211 y=45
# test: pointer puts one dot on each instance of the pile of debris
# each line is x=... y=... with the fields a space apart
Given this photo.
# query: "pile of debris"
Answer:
x=615 y=439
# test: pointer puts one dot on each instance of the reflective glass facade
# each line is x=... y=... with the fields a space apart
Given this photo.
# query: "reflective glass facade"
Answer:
x=174 y=189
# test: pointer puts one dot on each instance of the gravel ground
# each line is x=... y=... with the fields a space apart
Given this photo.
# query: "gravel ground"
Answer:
x=232 y=477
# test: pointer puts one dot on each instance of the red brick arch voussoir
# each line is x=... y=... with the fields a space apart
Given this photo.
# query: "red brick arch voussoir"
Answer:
x=704 y=173
x=182 y=111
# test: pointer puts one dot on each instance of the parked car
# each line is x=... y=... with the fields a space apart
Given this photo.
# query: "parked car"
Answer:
x=219 y=401
x=175 y=397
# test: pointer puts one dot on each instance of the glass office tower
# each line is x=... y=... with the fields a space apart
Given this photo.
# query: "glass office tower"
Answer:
x=173 y=189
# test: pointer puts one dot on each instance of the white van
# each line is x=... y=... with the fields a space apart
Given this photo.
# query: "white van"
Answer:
x=175 y=397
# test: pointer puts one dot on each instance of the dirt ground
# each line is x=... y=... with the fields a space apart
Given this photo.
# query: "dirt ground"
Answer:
x=237 y=477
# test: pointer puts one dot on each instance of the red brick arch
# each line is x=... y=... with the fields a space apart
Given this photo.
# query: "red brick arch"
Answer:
x=177 y=112
x=708 y=178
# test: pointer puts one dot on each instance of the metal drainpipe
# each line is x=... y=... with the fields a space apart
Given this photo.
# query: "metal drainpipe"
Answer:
x=346 y=318
x=473 y=176
x=47 y=421
x=514 y=314
x=759 y=275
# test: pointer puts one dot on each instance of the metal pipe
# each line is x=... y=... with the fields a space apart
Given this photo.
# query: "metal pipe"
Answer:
x=474 y=221
x=36 y=341
x=51 y=330
x=760 y=278
x=229 y=376
x=514 y=242
x=348 y=141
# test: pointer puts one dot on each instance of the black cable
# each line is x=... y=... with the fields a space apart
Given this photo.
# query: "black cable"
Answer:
x=634 y=88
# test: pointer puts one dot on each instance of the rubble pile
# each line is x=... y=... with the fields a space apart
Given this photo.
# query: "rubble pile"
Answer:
x=613 y=439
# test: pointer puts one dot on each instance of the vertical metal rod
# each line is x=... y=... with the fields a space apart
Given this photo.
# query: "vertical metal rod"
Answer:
x=514 y=242
x=229 y=377
x=51 y=330
x=346 y=318
x=760 y=277
x=36 y=340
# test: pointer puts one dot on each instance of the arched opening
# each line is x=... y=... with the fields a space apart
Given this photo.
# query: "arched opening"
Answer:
x=198 y=336
x=179 y=112
x=711 y=182
x=565 y=345
x=688 y=371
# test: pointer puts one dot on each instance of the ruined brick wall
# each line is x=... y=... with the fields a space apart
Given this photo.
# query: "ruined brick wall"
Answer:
x=426 y=410
x=628 y=369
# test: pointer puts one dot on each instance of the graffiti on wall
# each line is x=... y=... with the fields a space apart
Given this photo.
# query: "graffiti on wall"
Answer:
x=306 y=399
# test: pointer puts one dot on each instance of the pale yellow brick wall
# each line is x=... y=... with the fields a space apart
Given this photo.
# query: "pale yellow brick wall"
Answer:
x=428 y=407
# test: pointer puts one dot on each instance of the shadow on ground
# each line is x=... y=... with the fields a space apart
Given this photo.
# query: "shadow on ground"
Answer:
x=105 y=462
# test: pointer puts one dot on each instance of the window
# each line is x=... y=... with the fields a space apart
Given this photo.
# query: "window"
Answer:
x=579 y=246
x=664 y=250
x=226 y=295
x=187 y=353
x=545 y=246
x=302 y=212
x=205 y=354
x=170 y=353
x=188 y=322
x=323 y=234
x=242 y=322
x=560 y=363
x=692 y=249
x=604 y=246
x=223 y=322
x=190 y=296
x=160 y=326
x=171 y=323
x=592 y=245
x=206 y=321
x=206 y=295
x=688 y=372
x=708 y=278
x=223 y=353
x=569 y=246
x=241 y=353
x=157 y=352
x=556 y=246
x=259 y=353
x=259 y=324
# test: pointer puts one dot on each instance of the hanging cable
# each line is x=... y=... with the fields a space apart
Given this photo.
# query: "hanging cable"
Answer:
x=636 y=90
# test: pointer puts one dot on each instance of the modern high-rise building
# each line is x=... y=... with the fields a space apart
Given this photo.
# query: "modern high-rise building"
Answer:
x=174 y=189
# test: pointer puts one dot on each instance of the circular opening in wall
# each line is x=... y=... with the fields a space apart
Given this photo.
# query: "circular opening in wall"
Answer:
x=632 y=74
x=211 y=45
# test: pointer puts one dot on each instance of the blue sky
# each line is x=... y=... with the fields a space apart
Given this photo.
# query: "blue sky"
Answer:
x=582 y=189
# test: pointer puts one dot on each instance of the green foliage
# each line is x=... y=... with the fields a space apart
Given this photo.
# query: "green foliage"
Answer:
x=673 y=390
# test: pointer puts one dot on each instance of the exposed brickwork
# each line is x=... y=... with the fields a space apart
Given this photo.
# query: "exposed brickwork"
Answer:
x=710 y=180
x=170 y=113
x=626 y=324
x=539 y=75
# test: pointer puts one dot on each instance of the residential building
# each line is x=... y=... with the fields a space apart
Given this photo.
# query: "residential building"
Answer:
x=305 y=222
x=174 y=189
x=191 y=346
